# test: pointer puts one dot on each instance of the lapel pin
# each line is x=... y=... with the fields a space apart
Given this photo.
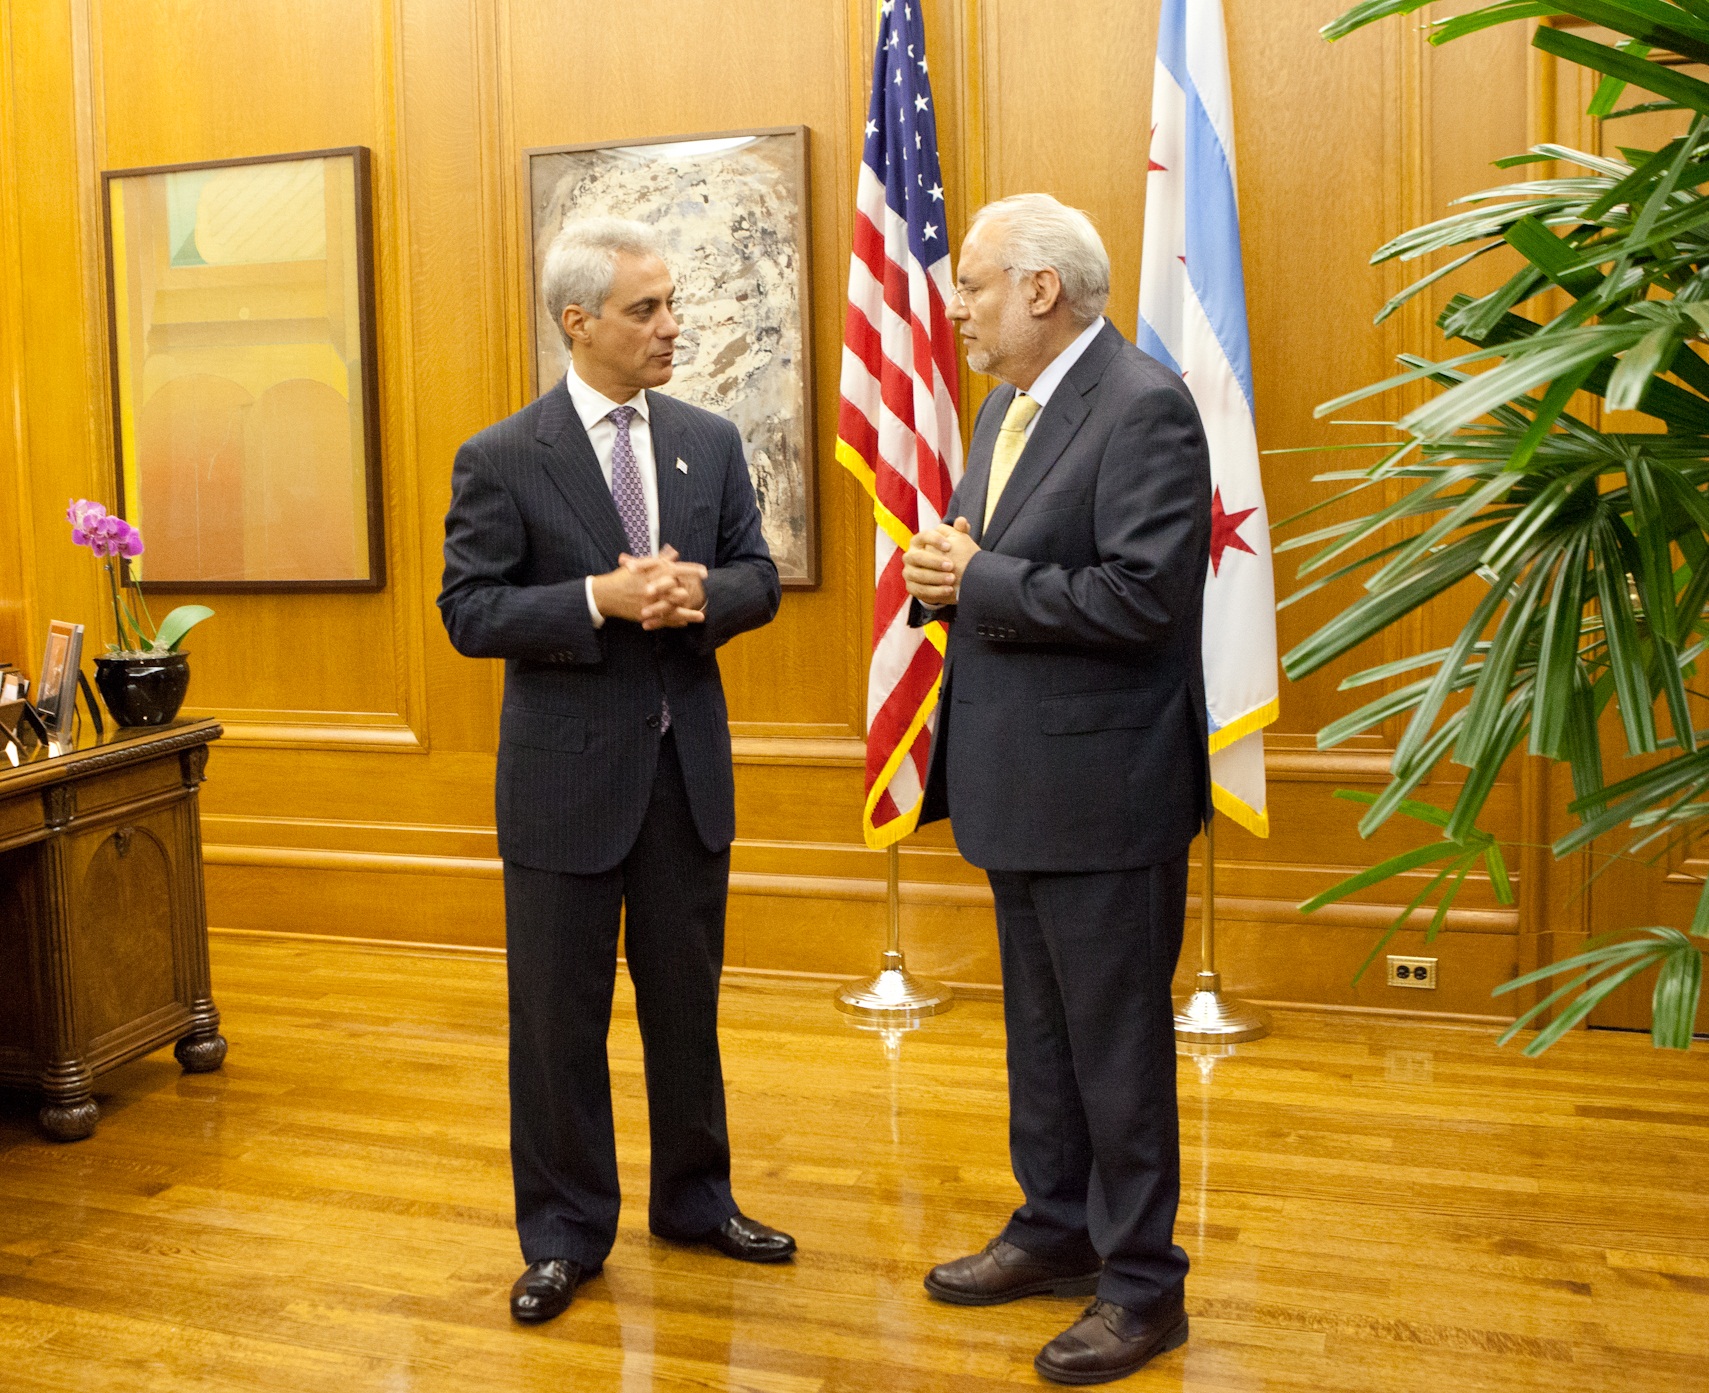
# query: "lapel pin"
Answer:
x=681 y=465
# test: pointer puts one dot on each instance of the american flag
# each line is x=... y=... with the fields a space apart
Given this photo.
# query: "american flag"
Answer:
x=898 y=430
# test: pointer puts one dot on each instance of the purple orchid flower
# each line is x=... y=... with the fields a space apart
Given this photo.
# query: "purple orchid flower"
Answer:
x=94 y=527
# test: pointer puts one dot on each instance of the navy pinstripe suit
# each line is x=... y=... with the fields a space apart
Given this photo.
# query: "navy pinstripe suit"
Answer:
x=598 y=816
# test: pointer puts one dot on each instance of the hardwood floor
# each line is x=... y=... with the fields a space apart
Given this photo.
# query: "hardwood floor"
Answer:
x=1369 y=1204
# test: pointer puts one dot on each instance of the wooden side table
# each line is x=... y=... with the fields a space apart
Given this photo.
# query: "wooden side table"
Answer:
x=103 y=926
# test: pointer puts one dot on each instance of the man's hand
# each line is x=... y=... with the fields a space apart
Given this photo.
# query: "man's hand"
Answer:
x=622 y=594
x=935 y=562
x=656 y=592
x=676 y=592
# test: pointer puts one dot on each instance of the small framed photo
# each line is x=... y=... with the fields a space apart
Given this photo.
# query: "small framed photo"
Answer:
x=56 y=688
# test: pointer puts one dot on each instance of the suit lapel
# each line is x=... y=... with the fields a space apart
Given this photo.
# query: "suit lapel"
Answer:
x=1057 y=425
x=573 y=468
x=977 y=481
x=674 y=486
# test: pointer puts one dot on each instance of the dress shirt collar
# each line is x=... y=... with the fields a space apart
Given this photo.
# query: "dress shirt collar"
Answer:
x=1045 y=384
x=592 y=406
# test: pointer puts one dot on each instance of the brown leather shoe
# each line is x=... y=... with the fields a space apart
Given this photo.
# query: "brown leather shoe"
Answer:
x=1002 y=1272
x=545 y=1289
x=1110 y=1341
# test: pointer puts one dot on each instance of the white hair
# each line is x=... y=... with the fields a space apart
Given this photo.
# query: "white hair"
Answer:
x=582 y=260
x=1038 y=233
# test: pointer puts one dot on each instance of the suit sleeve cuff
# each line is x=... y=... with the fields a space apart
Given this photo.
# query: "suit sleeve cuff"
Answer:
x=593 y=609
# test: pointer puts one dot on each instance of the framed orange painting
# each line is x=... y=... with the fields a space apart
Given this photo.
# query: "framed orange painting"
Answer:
x=245 y=384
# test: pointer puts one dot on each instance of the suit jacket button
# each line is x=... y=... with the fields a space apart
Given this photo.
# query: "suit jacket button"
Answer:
x=653 y=721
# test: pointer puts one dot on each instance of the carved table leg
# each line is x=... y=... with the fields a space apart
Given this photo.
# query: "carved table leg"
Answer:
x=69 y=1112
x=203 y=1049
x=201 y=1054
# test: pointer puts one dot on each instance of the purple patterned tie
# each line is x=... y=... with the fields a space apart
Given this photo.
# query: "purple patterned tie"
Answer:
x=632 y=505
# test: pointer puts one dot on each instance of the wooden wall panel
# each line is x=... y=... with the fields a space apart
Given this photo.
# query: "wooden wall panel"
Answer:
x=353 y=794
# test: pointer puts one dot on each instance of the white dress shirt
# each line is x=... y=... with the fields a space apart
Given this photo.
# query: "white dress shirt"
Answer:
x=1045 y=384
x=594 y=409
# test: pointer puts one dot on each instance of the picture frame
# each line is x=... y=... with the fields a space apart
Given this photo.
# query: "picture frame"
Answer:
x=733 y=210
x=244 y=370
x=56 y=685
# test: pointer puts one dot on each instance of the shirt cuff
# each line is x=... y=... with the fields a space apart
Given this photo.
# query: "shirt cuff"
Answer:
x=592 y=608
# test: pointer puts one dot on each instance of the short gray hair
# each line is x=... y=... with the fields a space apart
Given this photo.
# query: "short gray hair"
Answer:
x=1040 y=234
x=582 y=260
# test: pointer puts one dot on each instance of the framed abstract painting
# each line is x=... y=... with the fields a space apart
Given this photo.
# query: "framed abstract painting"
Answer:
x=244 y=373
x=732 y=211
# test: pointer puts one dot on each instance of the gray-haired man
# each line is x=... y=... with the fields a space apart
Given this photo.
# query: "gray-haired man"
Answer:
x=604 y=541
x=1070 y=756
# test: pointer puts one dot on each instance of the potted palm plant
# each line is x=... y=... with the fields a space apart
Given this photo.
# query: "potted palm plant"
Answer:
x=144 y=674
x=1591 y=546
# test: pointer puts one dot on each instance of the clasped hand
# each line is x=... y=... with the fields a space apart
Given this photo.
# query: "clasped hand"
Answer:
x=935 y=562
x=656 y=592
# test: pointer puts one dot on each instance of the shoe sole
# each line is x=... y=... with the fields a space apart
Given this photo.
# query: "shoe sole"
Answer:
x=1085 y=1285
x=1173 y=1340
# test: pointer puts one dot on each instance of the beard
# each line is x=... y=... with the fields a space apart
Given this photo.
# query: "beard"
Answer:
x=1017 y=335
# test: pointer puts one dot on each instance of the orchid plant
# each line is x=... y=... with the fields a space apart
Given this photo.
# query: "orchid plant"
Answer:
x=108 y=536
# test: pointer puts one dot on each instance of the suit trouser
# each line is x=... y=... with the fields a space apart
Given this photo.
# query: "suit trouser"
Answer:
x=1094 y=1135
x=561 y=933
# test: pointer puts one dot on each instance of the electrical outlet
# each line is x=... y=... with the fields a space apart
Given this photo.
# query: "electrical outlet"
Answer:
x=1412 y=972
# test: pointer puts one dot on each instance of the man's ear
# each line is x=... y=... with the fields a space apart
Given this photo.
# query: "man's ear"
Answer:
x=1047 y=292
x=575 y=323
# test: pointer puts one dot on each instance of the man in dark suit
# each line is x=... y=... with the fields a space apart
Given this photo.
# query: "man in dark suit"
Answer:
x=604 y=542
x=1070 y=755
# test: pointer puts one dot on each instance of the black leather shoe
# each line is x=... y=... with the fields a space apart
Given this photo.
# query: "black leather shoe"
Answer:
x=1002 y=1272
x=748 y=1240
x=1110 y=1341
x=545 y=1289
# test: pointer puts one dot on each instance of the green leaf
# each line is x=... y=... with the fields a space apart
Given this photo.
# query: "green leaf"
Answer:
x=1383 y=870
x=177 y=624
x=1638 y=365
x=1620 y=628
x=1673 y=1006
x=1640 y=72
x=1553 y=257
x=1609 y=90
x=1368 y=13
x=1661 y=25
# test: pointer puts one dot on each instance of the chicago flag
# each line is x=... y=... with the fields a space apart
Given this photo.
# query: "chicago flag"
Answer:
x=1192 y=316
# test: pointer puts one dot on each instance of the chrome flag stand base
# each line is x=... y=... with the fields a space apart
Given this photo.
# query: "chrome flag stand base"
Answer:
x=893 y=997
x=1207 y=1016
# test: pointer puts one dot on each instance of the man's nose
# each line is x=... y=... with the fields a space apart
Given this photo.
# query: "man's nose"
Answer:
x=669 y=329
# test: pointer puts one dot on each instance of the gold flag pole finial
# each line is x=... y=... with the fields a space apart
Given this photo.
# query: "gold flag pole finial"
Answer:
x=1208 y=1016
x=893 y=996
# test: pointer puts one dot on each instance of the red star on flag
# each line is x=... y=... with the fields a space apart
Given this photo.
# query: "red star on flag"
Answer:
x=1151 y=164
x=1225 y=531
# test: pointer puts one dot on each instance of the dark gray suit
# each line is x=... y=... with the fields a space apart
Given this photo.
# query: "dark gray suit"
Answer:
x=1070 y=755
x=598 y=815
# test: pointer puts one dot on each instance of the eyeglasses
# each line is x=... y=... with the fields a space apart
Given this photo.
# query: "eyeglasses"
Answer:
x=961 y=293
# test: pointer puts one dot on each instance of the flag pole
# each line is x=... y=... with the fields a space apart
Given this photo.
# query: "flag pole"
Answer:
x=893 y=995
x=1208 y=1016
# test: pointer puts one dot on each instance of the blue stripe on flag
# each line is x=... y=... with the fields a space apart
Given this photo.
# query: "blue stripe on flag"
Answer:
x=1213 y=219
x=1148 y=342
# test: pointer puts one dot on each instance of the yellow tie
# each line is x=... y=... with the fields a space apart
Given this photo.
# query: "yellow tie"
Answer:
x=1011 y=440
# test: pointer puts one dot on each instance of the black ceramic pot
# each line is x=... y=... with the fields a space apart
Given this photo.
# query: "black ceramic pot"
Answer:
x=143 y=691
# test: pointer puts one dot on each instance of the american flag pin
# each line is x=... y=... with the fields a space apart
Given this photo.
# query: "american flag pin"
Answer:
x=681 y=465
